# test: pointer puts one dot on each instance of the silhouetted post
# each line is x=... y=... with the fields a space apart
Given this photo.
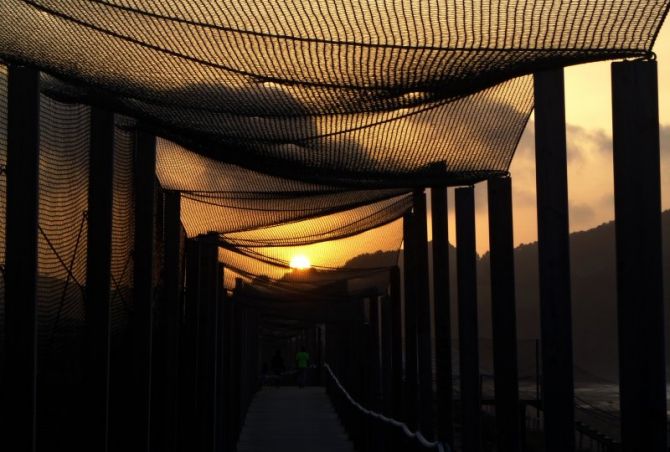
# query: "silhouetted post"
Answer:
x=411 y=384
x=396 y=344
x=222 y=356
x=171 y=320
x=466 y=258
x=639 y=260
x=503 y=313
x=423 y=318
x=554 y=261
x=98 y=270
x=386 y=354
x=207 y=339
x=144 y=179
x=188 y=395
x=441 y=283
x=374 y=356
x=19 y=385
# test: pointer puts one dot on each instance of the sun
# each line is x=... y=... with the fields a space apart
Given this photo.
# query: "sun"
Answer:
x=300 y=262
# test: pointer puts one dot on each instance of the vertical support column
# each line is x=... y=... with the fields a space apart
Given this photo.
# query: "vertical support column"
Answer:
x=443 y=371
x=222 y=355
x=172 y=321
x=466 y=256
x=387 y=355
x=98 y=271
x=503 y=312
x=639 y=259
x=207 y=376
x=396 y=344
x=145 y=166
x=188 y=400
x=411 y=383
x=554 y=261
x=374 y=355
x=423 y=318
x=19 y=386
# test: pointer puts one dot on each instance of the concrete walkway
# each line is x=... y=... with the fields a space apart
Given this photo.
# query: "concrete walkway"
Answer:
x=293 y=419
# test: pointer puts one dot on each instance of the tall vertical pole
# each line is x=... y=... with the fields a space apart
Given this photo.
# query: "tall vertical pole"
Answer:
x=98 y=270
x=387 y=354
x=442 y=303
x=207 y=375
x=639 y=259
x=188 y=377
x=411 y=383
x=466 y=257
x=172 y=321
x=144 y=177
x=221 y=356
x=503 y=313
x=396 y=344
x=19 y=388
x=423 y=318
x=554 y=261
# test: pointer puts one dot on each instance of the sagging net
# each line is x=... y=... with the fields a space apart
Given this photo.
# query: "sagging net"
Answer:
x=351 y=93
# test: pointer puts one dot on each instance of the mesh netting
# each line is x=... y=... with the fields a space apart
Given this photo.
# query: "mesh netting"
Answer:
x=355 y=93
x=355 y=262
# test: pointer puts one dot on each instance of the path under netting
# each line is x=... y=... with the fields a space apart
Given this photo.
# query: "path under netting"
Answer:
x=293 y=419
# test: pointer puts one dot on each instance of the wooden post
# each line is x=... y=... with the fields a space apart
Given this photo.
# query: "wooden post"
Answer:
x=396 y=345
x=222 y=364
x=144 y=177
x=639 y=259
x=172 y=321
x=503 y=313
x=411 y=383
x=554 y=261
x=466 y=256
x=423 y=318
x=442 y=303
x=19 y=386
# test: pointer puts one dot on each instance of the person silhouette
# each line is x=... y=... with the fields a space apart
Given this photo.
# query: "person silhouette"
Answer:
x=302 y=361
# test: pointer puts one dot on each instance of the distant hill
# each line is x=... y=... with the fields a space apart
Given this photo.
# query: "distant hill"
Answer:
x=593 y=271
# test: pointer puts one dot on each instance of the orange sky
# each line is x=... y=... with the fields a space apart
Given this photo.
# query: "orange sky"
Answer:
x=589 y=136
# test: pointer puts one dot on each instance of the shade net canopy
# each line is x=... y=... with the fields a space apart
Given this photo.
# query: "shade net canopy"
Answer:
x=365 y=94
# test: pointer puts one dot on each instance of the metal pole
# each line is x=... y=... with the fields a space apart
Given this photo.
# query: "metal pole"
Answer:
x=639 y=256
x=466 y=256
x=441 y=291
x=144 y=177
x=98 y=270
x=503 y=313
x=554 y=261
x=19 y=385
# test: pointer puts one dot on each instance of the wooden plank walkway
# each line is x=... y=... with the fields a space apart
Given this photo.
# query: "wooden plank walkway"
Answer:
x=293 y=419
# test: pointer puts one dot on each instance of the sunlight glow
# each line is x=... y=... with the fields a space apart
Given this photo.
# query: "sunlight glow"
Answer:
x=300 y=262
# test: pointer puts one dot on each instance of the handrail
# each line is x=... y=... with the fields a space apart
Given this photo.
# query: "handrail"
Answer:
x=436 y=445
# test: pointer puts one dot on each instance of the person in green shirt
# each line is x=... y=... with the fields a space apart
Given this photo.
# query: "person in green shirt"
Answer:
x=302 y=362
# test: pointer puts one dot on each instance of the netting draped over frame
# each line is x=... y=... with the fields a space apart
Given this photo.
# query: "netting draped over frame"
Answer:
x=346 y=93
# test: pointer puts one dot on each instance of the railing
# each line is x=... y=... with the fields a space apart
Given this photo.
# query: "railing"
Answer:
x=372 y=431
